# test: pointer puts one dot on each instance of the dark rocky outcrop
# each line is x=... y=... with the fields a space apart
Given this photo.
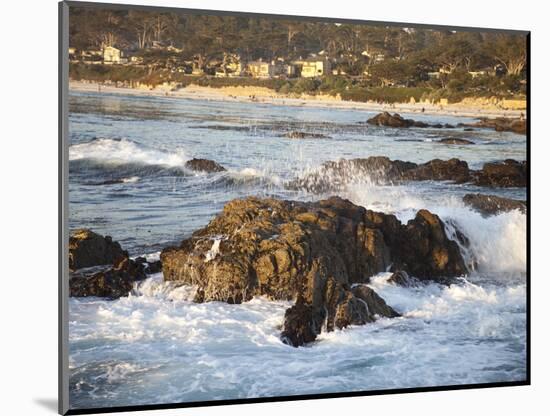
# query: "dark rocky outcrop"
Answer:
x=505 y=174
x=401 y=278
x=454 y=170
x=204 y=165
x=302 y=324
x=336 y=175
x=516 y=125
x=312 y=252
x=395 y=120
x=111 y=283
x=455 y=141
x=492 y=204
x=331 y=176
x=107 y=182
x=87 y=249
x=151 y=267
x=304 y=135
x=388 y=120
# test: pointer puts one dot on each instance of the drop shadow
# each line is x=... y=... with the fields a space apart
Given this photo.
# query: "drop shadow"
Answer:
x=49 y=404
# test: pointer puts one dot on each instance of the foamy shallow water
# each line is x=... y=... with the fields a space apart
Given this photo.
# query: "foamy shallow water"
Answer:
x=156 y=346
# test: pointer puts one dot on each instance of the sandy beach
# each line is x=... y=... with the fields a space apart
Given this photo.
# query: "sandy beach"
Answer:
x=467 y=108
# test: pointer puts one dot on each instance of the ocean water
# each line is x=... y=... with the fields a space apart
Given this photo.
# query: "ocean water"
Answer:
x=156 y=346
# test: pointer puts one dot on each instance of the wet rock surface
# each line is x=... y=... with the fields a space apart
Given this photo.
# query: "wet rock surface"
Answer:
x=516 y=125
x=305 y=135
x=386 y=119
x=311 y=252
x=151 y=267
x=87 y=249
x=204 y=165
x=111 y=283
x=336 y=175
x=506 y=174
x=492 y=204
x=394 y=120
x=455 y=141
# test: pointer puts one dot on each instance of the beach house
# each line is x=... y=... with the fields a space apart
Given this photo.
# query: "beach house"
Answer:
x=314 y=67
x=260 y=69
x=112 y=55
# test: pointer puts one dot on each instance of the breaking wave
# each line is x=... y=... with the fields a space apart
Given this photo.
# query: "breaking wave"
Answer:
x=496 y=244
x=121 y=151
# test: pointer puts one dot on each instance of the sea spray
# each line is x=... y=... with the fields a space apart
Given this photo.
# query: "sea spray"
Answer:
x=494 y=244
x=119 y=151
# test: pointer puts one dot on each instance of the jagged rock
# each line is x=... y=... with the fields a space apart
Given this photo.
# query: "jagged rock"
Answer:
x=440 y=170
x=336 y=175
x=112 y=283
x=425 y=249
x=332 y=176
x=87 y=249
x=204 y=165
x=304 y=135
x=150 y=267
x=401 y=278
x=492 y=204
x=516 y=125
x=302 y=324
x=388 y=120
x=154 y=267
x=375 y=304
x=454 y=141
x=509 y=173
x=311 y=251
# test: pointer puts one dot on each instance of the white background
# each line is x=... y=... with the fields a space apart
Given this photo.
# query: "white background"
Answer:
x=28 y=272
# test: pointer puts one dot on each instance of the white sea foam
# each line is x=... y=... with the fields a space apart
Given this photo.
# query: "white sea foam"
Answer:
x=462 y=333
x=214 y=250
x=252 y=173
x=126 y=151
x=496 y=244
x=157 y=346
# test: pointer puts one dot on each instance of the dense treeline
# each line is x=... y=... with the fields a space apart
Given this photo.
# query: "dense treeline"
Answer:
x=409 y=55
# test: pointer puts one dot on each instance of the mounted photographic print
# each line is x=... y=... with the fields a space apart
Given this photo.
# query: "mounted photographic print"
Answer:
x=264 y=208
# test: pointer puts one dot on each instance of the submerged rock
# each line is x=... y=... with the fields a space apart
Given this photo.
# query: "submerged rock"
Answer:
x=204 y=165
x=304 y=135
x=112 y=283
x=492 y=204
x=309 y=251
x=87 y=249
x=454 y=141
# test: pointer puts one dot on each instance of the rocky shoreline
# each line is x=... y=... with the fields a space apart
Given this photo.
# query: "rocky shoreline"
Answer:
x=319 y=255
x=516 y=125
x=334 y=175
